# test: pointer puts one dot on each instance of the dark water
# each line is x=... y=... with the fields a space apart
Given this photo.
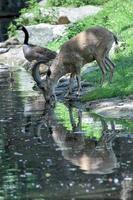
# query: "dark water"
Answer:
x=64 y=154
x=4 y=23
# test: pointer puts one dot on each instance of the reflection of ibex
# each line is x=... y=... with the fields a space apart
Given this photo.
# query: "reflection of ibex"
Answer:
x=75 y=148
x=92 y=44
x=85 y=154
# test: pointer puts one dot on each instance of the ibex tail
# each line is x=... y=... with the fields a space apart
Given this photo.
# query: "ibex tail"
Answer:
x=115 y=39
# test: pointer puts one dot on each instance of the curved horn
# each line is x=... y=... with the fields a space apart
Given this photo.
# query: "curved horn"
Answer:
x=35 y=73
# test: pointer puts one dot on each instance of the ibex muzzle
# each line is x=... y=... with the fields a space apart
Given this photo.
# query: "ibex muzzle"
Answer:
x=44 y=84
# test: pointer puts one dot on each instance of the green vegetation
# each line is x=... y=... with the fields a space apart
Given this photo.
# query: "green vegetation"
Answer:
x=75 y=2
x=34 y=17
x=116 y=16
x=92 y=128
x=63 y=116
x=122 y=82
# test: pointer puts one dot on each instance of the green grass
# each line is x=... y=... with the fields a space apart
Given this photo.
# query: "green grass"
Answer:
x=122 y=84
x=117 y=16
x=76 y=3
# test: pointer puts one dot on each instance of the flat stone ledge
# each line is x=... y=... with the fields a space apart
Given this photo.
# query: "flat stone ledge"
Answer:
x=113 y=108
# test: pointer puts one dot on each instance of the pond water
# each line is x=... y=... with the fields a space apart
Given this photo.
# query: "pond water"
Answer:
x=3 y=28
x=64 y=154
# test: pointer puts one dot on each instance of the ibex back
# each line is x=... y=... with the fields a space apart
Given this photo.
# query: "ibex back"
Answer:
x=92 y=44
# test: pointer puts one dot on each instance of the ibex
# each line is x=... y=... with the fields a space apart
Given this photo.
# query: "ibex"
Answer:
x=92 y=44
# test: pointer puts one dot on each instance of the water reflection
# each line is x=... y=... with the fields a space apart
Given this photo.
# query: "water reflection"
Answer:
x=66 y=153
x=90 y=155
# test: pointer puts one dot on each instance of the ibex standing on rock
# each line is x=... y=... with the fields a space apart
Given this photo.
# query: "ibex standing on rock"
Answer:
x=92 y=44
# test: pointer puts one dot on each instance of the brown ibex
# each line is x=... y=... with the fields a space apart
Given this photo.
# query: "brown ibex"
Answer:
x=92 y=44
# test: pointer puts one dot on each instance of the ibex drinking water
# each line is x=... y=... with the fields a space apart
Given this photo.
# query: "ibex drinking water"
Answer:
x=92 y=44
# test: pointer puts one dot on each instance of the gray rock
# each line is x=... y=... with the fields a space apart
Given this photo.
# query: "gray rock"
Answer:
x=63 y=79
x=10 y=43
x=3 y=50
x=63 y=84
x=59 y=92
x=75 y=14
x=42 y=2
x=72 y=14
x=4 y=67
x=41 y=34
x=14 y=57
x=62 y=87
x=112 y=108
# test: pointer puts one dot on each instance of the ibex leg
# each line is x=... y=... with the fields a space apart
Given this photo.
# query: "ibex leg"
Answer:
x=79 y=84
x=111 y=67
x=102 y=66
x=70 y=86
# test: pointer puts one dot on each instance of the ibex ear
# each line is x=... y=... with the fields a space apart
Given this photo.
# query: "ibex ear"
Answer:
x=48 y=72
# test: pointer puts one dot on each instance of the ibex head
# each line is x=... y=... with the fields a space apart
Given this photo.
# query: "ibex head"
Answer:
x=45 y=84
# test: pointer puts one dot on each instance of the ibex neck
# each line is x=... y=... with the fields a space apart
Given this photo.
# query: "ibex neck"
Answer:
x=57 y=71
